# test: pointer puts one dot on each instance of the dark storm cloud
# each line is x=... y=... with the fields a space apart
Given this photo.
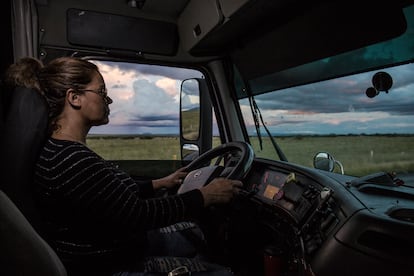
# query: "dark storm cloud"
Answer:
x=287 y=122
x=306 y=99
x=325 y=97
x=172 y=117
x=397 y=109
x=155 y=123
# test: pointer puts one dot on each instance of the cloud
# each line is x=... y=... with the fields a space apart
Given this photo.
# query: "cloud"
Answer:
x=325 y=97
x=149 y=94
x=169 y=85
x=146 y=99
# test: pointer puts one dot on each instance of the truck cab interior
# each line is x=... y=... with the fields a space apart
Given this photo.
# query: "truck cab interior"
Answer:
x=317 y=216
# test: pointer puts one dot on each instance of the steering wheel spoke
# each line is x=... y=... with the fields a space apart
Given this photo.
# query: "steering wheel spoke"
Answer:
x=226 y=171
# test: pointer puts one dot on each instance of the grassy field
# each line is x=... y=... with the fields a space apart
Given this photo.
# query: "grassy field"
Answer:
x=359 y=155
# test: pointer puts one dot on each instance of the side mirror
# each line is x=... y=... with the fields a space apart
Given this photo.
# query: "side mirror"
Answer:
x=196 y=120
x=190 y=118
x=190 y=109
x=190 y=152
x=325 y=161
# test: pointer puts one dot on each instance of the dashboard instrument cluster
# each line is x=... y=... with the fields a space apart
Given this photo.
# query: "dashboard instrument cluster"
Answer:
x=291 y=194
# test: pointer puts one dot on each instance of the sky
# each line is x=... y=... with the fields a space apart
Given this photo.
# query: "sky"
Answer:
x=145 y=98
x=341 y=106
x=146 y=101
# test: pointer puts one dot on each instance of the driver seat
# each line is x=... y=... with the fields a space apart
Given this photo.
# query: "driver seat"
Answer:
x=23 y=251
x=24 y=131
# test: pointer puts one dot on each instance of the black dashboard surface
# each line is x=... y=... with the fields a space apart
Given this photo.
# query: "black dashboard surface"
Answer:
x=369 y=222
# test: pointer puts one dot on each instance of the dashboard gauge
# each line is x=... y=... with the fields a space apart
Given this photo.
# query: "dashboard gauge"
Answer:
x=273 y=183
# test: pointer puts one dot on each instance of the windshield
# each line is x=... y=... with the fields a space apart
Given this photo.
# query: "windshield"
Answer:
x=398 y=50
x=363 y=117
x=365 y=134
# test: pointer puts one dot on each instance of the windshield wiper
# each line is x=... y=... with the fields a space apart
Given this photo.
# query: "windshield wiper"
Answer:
x=256 y=116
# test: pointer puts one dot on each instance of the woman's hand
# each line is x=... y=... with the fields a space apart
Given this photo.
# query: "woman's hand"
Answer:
x=174 y=179
x=220 y=190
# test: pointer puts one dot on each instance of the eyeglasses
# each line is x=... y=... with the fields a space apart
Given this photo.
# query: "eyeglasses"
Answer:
x=103 y=92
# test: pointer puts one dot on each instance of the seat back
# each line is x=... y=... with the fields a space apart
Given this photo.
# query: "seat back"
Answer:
x=24 y=132
x=22 y=250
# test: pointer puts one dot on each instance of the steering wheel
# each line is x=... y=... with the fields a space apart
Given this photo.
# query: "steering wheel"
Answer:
x=237 y=158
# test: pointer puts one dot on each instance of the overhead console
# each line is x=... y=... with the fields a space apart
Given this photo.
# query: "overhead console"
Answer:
x=201 y=19
x=275 y=41
x=194 y=25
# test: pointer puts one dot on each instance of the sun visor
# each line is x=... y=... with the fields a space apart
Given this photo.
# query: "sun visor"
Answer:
x=330 y=29
x=114 y=32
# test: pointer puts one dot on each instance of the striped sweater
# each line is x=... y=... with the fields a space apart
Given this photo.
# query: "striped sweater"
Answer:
x=93 y=208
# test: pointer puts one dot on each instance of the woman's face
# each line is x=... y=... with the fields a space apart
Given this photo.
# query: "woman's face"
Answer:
x=96 y=107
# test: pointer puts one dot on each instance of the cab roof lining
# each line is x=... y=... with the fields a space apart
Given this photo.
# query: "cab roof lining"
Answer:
x=324 y=30
x=258 y=34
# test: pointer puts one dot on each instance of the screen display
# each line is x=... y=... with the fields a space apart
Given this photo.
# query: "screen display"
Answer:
x=272 y=182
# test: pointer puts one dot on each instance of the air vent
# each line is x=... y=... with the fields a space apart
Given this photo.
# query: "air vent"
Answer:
x=405 y=214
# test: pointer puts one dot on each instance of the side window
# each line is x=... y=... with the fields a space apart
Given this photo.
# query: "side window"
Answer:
x=144 y=116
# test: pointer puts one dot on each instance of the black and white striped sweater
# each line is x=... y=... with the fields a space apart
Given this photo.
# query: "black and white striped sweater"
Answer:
x=94 y=208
